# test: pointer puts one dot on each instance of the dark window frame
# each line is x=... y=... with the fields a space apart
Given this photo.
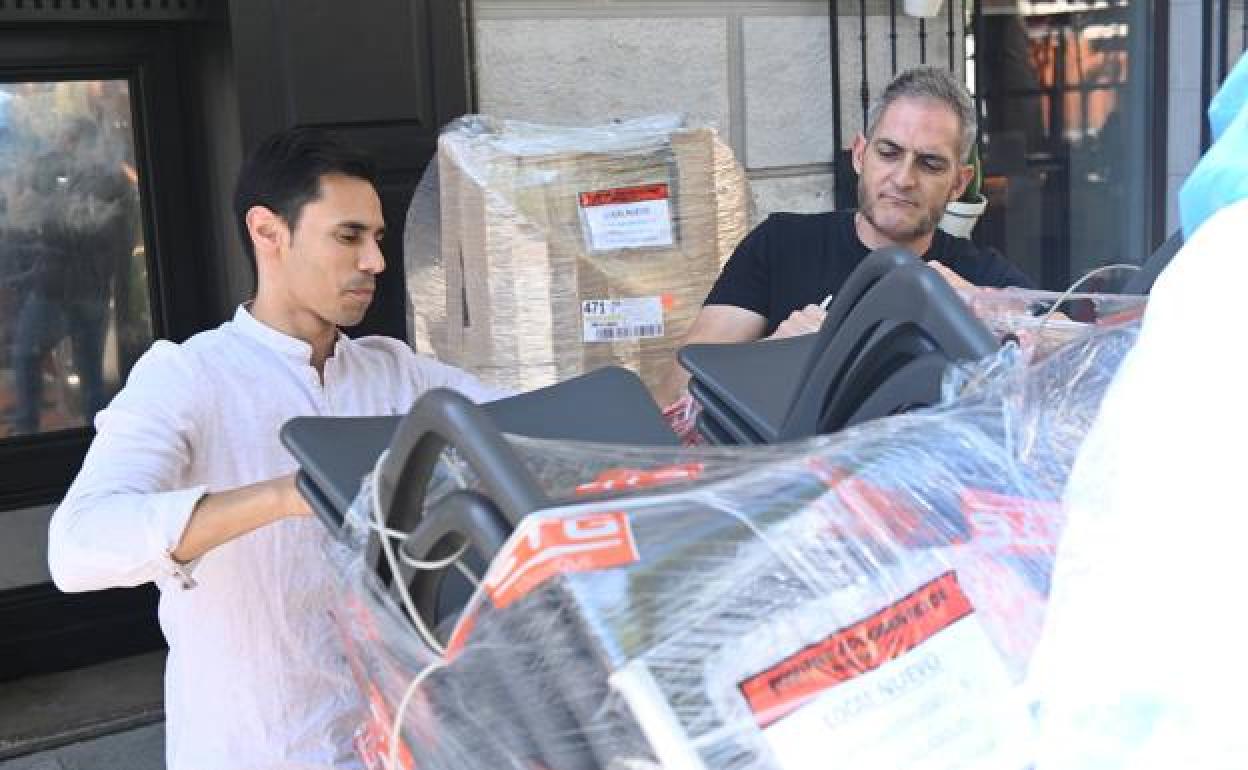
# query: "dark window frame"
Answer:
x=1148 y=106
x=39 y=468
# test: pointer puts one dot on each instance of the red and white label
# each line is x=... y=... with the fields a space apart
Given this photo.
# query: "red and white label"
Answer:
x=627 y=217
x=916 y=685
x=1123 y=317
x=373 y=744
x=873 y=513
x=617 y=479
x=542 y=548
x=1015 y=525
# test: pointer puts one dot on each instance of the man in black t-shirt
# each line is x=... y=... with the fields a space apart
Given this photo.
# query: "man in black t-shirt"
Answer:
x=782 y=271
x=910 y=163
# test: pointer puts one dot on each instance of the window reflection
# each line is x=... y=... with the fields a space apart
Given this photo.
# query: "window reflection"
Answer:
x=1066 y=135
x=74 y=311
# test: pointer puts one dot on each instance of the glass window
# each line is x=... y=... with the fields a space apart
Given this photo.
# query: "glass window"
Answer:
x=1069 y=153
x=74 y=304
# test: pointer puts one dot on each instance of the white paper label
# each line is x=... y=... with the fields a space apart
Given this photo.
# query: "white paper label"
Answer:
x=940 y=706
x=627 y=217
x=612 y=320
x=916 y=686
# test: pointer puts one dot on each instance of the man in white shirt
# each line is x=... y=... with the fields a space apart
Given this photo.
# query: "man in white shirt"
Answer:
x=187 y=485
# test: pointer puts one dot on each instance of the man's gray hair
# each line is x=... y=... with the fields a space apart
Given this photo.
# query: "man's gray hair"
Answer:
x=935 y=84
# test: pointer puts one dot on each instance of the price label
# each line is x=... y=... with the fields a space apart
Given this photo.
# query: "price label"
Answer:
x=613 y=320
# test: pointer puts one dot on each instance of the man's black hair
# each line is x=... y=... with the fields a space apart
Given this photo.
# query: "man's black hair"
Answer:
x=283 y=173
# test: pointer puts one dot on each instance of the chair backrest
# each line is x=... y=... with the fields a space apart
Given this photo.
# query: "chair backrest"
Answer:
x=909 y=313
x=335 y=453
x=1141 y=282
x=874 y=268
x=748 y=388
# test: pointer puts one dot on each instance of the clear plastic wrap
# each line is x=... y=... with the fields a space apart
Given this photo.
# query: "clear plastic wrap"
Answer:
x=1043 y=321
x=536 y=253
x=873 y=595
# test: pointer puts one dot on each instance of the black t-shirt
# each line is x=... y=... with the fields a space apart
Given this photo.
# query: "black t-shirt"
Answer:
x=794 y=260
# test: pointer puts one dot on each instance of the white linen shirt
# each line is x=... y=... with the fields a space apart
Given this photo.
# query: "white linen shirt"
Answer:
x=255 y=677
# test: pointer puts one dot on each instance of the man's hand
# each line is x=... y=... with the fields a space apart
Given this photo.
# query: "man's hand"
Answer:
x=804 y=321
x=952 y=278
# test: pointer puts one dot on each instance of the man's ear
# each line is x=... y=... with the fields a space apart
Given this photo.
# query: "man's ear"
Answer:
x=965 y=175
x=268 y=232
x=858 y=151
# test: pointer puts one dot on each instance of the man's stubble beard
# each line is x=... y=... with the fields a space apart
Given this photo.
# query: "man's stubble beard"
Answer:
x=924 y=226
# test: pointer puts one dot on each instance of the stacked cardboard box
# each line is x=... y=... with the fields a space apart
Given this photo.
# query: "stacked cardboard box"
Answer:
x=562 y=250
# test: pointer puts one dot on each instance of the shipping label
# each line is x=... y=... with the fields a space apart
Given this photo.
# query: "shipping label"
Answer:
x=916 y=685
x=627 y=217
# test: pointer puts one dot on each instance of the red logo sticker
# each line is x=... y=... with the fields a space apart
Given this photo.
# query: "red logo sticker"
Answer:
x=634 y=478
x=872 y=512
x=542 y=548
x=1011 y=524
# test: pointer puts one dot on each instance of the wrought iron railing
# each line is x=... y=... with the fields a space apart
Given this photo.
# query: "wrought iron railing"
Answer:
x=1071 y=99
x=952 y=15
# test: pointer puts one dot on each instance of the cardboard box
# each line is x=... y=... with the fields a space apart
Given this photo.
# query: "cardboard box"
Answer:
x=554 y=263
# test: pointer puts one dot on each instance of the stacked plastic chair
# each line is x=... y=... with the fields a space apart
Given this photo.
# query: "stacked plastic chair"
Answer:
x=888 y=337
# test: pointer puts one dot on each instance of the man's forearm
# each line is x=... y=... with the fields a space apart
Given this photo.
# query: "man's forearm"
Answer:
x=221 y=517
x=672 y=386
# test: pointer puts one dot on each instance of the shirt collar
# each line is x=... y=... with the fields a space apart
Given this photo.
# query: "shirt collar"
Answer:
x=275 y=340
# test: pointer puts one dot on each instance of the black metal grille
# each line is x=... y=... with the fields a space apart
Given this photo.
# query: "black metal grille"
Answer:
x=858 y=12
x=1067 y=94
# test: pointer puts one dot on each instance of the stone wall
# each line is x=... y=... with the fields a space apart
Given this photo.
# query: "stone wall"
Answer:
x=757 y=70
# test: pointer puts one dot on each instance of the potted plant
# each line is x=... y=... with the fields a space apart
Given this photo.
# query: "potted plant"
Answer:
x=961 y=215
x=924 y=9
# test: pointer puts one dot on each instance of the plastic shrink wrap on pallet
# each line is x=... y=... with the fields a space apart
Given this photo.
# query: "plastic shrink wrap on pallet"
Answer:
x=1044 y=321
x=535 y=253
x=872 y=596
